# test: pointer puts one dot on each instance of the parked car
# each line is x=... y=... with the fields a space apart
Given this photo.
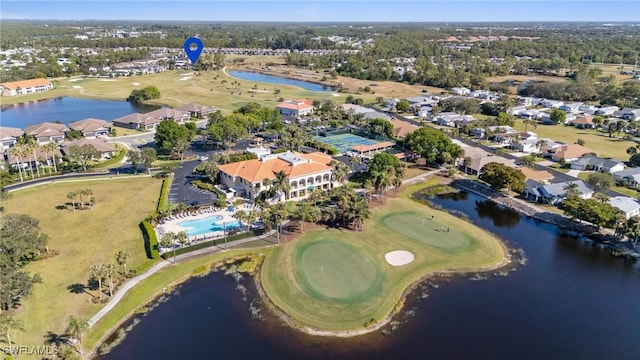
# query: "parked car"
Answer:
x=203 y=158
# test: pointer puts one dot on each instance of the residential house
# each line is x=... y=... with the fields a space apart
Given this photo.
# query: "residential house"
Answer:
x=630 y=114
x=528 y=101
x=516 y=110
x=91 y=128
x=530 y=114
x=606 y=110
x=583 y=122
x=479 y=158
x=554 y=193
x=28 y=162
x=305 y=172
x=588 y=109
x=136 y=121
x=628 y=205
x=105 y=149
x=402 y=128
x=259 y=151
x=9 y=136
x=295 y=108
x=631 y=177
x=552 y=104
x=196 y=110
x=569 y=152
x=173 y=114
x=592 y=162
x=453 y=119
x=571 y=108
x=25 y=87
x=542 y=176
x=47 y=132
x=460 y=91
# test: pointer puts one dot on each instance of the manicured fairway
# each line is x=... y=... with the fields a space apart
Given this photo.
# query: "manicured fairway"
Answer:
x=421 y=227
x=337 y=281
x=337 y=270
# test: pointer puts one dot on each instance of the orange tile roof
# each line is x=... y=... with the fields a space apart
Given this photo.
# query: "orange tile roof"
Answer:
x=586 y=120
x=373 y=147
x=26 y=83
x=6 y=132
x=255 y=170
x=46 y=129
x=572 y=151
x=539 y=175
x=402 y=128
x=89 y=124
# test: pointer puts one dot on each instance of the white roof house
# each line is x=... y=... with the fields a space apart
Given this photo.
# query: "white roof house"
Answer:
x=628 y=205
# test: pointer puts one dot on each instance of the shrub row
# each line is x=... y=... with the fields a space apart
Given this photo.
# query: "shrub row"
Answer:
x=163 y=202
x=151 y=240
x=114 y=160
x=215 y=242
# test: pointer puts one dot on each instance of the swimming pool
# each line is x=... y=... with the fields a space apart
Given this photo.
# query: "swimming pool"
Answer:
x=207 y=225
x=344 y=142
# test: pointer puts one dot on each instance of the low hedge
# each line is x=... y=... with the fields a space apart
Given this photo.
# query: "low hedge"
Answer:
x=163 y=202
x=214 y=242
x=114 y=160
x=150 y=240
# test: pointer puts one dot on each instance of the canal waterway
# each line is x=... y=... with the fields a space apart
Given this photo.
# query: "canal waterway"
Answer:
x=66 y=110
x=270 y=79
x=570 y=301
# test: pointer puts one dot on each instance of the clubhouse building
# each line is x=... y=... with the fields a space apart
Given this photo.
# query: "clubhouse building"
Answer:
x=305 y=173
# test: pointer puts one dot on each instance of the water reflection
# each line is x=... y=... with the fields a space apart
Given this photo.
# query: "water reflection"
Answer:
x=501 y=215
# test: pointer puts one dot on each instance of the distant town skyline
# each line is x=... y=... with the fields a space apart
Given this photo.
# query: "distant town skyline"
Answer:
x=327 y=11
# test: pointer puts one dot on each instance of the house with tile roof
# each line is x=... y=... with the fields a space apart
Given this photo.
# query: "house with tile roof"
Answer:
x=402 y=128
x=9 y=136
x=91 y=128
x=569 y=152
x=196 y=110
x=47 y=132
x=305 y=172
x=25 y=87
x=542 y=176
x=583 y=122
x=295 y=107
x=105 y=149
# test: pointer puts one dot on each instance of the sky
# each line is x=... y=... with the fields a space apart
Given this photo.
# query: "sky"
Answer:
x=328 y=10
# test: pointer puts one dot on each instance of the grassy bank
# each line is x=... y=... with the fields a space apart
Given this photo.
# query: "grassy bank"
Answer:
x=83 y=238
x=293 y=287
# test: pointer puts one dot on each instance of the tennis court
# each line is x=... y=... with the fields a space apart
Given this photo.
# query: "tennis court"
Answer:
x=344 y=142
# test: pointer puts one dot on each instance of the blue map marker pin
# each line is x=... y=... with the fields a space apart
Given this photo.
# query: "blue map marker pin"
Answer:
x=193 y=54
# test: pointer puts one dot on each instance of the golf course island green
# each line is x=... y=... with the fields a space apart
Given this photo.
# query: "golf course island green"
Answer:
x=336 y=282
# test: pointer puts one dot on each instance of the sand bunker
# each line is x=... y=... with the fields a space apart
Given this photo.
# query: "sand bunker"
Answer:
x=108 y=80
x=184 y=78
x=398 y=257
x=135 y=84
x=77 y=87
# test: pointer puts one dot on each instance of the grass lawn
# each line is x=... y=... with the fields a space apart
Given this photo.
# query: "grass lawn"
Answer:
x=83 y=238
x=621 y=189
x=596 y=140
x=338 y=280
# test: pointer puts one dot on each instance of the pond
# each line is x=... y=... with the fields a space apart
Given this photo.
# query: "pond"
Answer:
x=570 y=301
x=67 y=110
x=270 y=79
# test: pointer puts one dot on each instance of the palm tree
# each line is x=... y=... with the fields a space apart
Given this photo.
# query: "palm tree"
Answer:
x=360 y=213
x=305 y=212
x=9 y=324
x=340 y=171
x=72 y=196
x=282 y=181
x=355 y=161
x=632 y=228
x=109 y=271
x=121 y=259
x=631 y=150
x=571 y=190
x=528 y=122
x=135 y=159
x=75 y=328
x=466 y=162
x=98 y=274
x=541 y=144
x=33 y=145
x=182 y=238
x=16 y=152
x=51 y=148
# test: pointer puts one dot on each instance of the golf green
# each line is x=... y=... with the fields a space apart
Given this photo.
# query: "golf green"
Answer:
x=421 y=227
x=335 y=269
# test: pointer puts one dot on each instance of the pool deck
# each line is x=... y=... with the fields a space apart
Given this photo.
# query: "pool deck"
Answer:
x=173 y=224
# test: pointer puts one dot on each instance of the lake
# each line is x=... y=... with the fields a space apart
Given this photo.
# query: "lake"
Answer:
x=66 y=110
x=570 y=301
x=270 y=79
